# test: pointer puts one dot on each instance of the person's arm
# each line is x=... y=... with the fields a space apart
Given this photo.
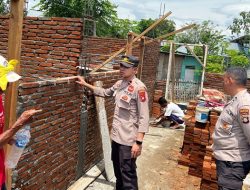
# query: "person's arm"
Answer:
x=7 y=135
x=97 y=90
x=143 y=124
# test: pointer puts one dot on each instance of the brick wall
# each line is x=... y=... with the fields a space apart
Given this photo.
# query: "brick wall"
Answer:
x=50 y=46
x=149 y=68
x=50 y=160
x=215 y=81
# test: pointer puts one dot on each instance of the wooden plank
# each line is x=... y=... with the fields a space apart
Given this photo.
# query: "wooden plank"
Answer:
x=106 y=144
x=134 y=40
x=169 y=69
x=173 y=74
x=196 y=57
x=204 y=67
x=14 y=52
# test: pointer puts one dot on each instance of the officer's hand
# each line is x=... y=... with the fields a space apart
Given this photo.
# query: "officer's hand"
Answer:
x=136 y=150
x=81 y=81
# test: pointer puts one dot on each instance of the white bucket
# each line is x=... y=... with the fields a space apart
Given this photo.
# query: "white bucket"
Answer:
x=246 y=183
x=201 y=114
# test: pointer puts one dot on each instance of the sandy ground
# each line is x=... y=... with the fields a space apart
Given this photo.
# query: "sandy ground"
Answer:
x=157 y=166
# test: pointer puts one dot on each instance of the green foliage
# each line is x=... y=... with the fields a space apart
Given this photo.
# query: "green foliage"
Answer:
x=198 y=51
x=164 y=27
x=241 y=24
x=165 y=48
x=238 y=59
x=3 y=7
x=214 y=68
x=215 y=64
x=204 y=33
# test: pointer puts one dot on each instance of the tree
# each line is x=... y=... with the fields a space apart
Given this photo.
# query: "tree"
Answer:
x=241 y=24
x=204 y=33
x=238 y=59
x=3 y=7
x=215 y=64
x=166 y=26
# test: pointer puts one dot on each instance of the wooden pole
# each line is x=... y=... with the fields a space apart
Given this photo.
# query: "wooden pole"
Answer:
x=106 y=144
x=134 y=40
x=129 y=46
x=141 y=58
x=173 y=74
x=169 y=69
x=204 y=68
x=14 y=52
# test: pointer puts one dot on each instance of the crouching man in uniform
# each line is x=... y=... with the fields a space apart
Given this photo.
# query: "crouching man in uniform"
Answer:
x=130 y=122
x=232 y=133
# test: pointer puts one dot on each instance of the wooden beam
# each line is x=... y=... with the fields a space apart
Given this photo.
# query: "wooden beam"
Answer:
x=196 y=57
x=103 y=124
x=141 y=58
x=172 y=33
x=173 y=74
x=153 y=25
x=129 y=46
x=184 y=44
x=204 y=68
x=169 y=69
x=134 y=40
x=14 y=52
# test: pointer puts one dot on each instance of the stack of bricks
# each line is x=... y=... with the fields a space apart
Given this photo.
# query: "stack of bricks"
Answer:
x=196 y=151
x=209 y=180
x=189 y=134
x=156 y=111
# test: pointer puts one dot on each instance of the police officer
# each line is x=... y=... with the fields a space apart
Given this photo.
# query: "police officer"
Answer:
x=130 y=122
x=232 y=133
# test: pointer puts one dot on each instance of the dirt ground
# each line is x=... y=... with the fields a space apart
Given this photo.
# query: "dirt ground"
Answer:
x=157 y=166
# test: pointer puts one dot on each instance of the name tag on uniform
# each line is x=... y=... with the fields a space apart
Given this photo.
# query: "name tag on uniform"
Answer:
x=126 y=98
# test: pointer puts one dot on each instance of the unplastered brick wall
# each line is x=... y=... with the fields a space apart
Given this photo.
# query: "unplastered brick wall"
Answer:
x=50 y=160
x=50 y=46
x=149 y=68
x=100 y=49
x=215 y=81
x=107 y=46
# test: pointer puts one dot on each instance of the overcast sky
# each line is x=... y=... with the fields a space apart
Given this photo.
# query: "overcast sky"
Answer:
x=221 y=12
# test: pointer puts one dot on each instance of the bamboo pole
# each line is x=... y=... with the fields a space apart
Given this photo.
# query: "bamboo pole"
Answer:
x=204 y=67
x=14 y=52
x=196 y=57
x=134 y=40
x=169 y=69
x=173 y=74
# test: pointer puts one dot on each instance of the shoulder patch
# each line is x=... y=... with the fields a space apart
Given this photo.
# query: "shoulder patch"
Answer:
x=142 y=94
x=244 y=115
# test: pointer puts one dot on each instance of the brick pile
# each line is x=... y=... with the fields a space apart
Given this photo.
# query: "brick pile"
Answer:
x=156 y=109
x=196 y=152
